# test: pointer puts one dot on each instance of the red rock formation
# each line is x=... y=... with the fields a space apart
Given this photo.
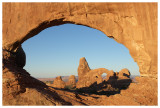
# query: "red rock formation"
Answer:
x=72 y=81
x=132 y=24
x=124 y=73
x=91 y=77
x=83 y=68
x=87 y=77
x=58 y=83
x=19 y=88
x=17 y=58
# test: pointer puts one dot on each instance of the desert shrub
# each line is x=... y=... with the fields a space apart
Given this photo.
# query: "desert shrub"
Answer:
x=48 y=82
x=70 y=87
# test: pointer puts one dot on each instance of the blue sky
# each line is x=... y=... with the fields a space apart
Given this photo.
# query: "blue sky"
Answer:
x=56 y=51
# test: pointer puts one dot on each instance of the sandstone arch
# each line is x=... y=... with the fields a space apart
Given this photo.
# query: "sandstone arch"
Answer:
x=132 y=24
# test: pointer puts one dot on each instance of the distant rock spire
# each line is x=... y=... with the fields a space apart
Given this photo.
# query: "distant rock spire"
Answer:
x=83 y=68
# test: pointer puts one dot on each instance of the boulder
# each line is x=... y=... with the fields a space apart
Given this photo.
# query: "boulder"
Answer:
x=58 y=83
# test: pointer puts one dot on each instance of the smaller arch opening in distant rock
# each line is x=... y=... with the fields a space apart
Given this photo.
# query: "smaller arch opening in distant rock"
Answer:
x=104 y=76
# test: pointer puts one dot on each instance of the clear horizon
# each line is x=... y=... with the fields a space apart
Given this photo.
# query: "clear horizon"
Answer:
x=56 y=51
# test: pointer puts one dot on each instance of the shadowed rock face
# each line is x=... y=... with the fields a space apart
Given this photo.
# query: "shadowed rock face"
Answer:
x=132 y=24
x=72 y=81
x=20 y=57
x=17 y=58
x=124 y=73
x=58 y=82
x=19 y=88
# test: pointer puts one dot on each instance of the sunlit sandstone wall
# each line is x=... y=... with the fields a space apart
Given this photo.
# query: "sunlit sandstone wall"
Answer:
x=131 y=24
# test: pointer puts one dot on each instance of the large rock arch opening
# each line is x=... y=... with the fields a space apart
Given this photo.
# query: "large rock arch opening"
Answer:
x=126 y=26
x=73 y=42
x=132 y=24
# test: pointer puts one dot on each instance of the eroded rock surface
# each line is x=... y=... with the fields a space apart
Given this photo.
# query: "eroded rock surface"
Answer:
x=124 y=73
x=132 y=24
x=17 y=58
x=90 y=76
x=58 y=82
x=72 y=81
x=19 y=88
x=83 y=68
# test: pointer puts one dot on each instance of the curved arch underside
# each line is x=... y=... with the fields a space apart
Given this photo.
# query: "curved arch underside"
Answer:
x=131 y=24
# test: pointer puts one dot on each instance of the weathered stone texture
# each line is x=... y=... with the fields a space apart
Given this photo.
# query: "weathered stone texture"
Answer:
x=93 y=76
x=124 y=73
x=17 y=58
x=87 y=78
x=132 y=24
x=83 y=68
x=72 y=81
x=58 y=83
